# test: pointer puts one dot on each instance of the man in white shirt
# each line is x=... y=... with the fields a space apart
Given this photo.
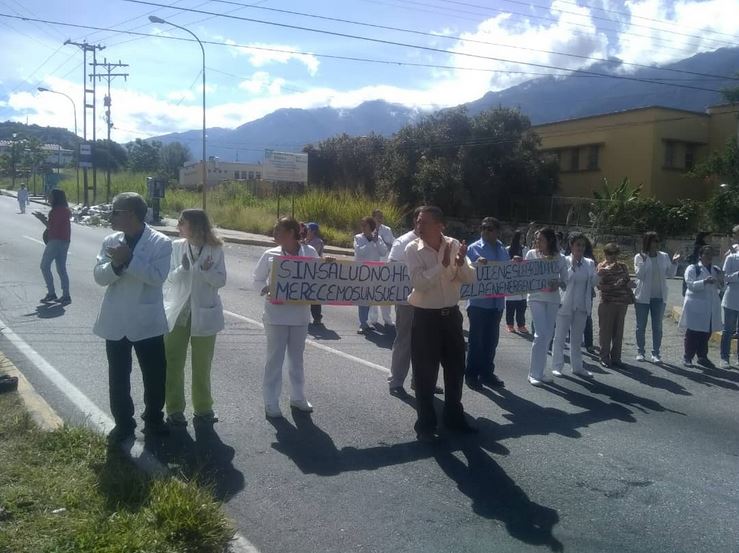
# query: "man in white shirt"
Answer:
x=438 y=267
x=385 y=234
x=368 y=246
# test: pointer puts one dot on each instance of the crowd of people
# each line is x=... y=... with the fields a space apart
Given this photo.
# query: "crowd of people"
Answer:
x=162 y=298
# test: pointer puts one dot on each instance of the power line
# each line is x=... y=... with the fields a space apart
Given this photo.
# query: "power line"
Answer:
x=425 y=48
x=454 y=37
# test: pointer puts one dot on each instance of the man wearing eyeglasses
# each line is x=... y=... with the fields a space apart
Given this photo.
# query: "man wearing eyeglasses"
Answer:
x=484 y=314
x=133 y=264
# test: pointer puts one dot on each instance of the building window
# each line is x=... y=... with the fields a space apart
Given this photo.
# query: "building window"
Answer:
x=575 y=159
x=236 y=175
x=669 y=154
x=689 y=157
x=251 y=175
x=593 y=157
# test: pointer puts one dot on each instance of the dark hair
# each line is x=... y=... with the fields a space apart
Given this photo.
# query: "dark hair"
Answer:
x=492 y=221
x=647 y=239
x=201 y=227
x=290 y=224
x=551 y=238
x=435 y=212
x=133 y=202
x=611 y=249
x=575 y=236
x=516 y=248
x=700 y=238
x=706 y=249
x=58 y=198
x=376 y=211
x=370 y=221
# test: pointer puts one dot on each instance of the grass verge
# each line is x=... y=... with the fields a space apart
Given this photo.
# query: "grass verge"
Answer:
x=65 y=492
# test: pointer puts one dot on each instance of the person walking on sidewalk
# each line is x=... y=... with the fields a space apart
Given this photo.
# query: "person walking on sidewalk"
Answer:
x=484 y=314
x=576 y=305
x=515 y=306
x=132 y=265
x=194 y=314
x=314 y=240
x=438 y=266
x=701 y=307
x=57 y=237
x=385 y=233
x=652 y=269
x=368 y=246
x=544 y=305
x=730 y=304
x=22 y=198
x=285 y=325
x=616 y=295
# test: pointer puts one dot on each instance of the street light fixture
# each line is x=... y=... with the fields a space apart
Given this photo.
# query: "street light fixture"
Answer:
x=159 y=20
x=74 y=110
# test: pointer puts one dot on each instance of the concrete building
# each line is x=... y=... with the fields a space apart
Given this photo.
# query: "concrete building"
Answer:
x=218 y=171
x=56 y=156
x=652 y=146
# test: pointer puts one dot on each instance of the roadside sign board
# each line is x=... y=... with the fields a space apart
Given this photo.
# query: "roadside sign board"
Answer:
x=85 y=155
x=285 y=166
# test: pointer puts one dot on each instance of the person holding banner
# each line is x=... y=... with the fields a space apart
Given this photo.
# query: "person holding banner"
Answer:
x=438 y=267
x=285 y=325
x=484 y=314
x=577 y=303
x=544 y=305
x=313 y=238
x=385 y=234
x=368 y=246
x=515 y=306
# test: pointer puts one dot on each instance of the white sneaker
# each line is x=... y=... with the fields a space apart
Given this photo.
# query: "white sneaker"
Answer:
x=534 y=382
x=656 y=359
x=557 y=373
x=583 y=373
x=301 y=405
x=725 y=364
x=273 y=411
x=639 y=357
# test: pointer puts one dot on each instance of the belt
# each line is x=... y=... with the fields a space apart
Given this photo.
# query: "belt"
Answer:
x=444 y=311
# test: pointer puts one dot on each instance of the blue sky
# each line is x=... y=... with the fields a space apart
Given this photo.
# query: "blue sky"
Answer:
x=163 y=92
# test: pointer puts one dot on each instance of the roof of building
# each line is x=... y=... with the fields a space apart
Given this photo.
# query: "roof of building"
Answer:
x=50 y=147
x=620 y=112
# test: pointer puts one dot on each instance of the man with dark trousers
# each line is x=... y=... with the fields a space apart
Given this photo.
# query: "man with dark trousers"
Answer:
x=438 y=267
x=133 y=264
x=484 y=314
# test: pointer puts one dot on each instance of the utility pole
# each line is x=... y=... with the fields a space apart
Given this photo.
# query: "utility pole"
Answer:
x=108 y=76
x=88 y=100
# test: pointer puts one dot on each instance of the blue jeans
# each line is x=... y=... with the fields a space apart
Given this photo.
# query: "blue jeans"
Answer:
x=656 y=307
x=55 y=251
x=363 y=314
x=731 y=316
x=483 y=341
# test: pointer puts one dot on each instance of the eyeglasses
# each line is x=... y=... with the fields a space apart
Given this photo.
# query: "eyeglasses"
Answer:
x=119 y=211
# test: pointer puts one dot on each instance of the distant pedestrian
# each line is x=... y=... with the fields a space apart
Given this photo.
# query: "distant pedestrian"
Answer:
x=438 y=267
x=22 y=198
x=285 y=325
x=616 y=295
x=194 y=314
x=576 y=305
x=734 y=247
x=515 y=306
x=368 y=246
x=652 y=268
x=132 y=265
x=313 y=239
x=702 y=307
x=544 y=305
x=701 y=239
x=385 y=234
x=730 y=304
x=484 y=314
x=57 y=237
x=587 y=340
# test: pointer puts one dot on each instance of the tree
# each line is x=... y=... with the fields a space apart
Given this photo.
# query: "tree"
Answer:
x=172 y=156
x=109 y=155
x=143 y=155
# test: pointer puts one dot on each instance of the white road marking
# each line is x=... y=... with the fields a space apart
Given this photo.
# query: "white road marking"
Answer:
x=318 y=345
x=34 y=240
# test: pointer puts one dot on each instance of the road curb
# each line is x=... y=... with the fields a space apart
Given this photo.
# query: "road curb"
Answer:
x=41 y=412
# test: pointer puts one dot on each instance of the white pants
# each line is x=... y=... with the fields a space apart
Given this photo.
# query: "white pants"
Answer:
x=544 y=315
x=282 y=338
x=386 y=315
x=574 y=322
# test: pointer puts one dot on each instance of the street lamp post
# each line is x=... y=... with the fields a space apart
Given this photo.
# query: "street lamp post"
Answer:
x=155 y=19
x=74 y=110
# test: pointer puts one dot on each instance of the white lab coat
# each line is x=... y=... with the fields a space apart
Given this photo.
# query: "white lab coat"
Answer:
x=567 y=303
x=133 y=306
x=385 y=234
x=369 y=250
x=731 y=279
x=643 y=272
x=197 y=286
x=702 y=303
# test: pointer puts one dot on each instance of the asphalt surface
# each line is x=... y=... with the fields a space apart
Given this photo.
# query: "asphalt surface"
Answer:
x=641 y=459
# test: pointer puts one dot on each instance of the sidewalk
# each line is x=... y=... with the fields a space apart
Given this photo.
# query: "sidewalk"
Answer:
x=169 y=227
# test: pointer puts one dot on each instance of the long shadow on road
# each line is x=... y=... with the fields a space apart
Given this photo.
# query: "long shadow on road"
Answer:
x=493 y=493
x=707 y=377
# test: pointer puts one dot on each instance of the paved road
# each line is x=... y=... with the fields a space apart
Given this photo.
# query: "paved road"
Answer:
x=644 y=459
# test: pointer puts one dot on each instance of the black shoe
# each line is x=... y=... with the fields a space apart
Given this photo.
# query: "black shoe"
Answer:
x=65 y=300
x=473 y=383
x=399 y=392
x=48 y=298
x=120 y=434
x=493 y=381
x=462 y=427
x=706 y=362
x=426 y=436
x=156 y=428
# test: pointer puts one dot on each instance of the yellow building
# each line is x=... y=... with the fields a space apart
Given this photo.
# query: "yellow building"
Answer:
x=652 y=146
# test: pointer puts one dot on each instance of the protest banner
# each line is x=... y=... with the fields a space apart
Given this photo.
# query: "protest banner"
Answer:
x=312 y=280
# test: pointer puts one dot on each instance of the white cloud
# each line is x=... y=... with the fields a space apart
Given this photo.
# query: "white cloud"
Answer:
x=275 y=53
x=261 y=82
